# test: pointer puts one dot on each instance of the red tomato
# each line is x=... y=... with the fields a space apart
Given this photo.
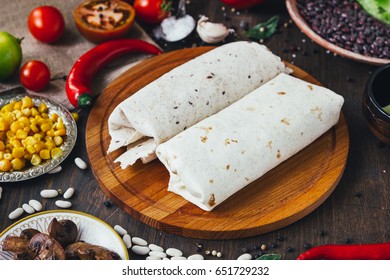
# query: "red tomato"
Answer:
x=46 y=24
x=34 y=75
x=152 y=11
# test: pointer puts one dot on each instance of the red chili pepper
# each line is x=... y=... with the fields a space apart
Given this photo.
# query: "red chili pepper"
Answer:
x=378 y=251
x=242 y=4
x=82 y=72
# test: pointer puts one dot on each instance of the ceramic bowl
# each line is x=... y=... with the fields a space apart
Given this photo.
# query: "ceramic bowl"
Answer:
x=376 y=96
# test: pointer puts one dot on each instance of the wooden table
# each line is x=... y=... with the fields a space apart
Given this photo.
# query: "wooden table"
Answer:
x=358 y=211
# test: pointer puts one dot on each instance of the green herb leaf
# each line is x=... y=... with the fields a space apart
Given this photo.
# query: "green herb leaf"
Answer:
x=270 y=256
x=264 y=30
x=379 y=9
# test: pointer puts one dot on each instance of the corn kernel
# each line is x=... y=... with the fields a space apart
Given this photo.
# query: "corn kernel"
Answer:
x=2 y=146
x=56 y=153
x=18 y=105
x=60 y=132
x=31 y=149
x=44 y=154
x=5 y=165
x=8 y=156
x=18 y=152
x=42 y=108
x=57 y=140
x=18 y=164
x=15 y=126
x=21 y=134
x=35 y=160
x=27 y=102
x=54 y=117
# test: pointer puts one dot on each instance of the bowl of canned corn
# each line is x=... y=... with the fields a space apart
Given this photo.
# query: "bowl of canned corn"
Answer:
x=36 y=135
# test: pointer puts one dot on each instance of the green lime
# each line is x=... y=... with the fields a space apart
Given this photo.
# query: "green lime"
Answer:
x=387 y=109
x=10 y=55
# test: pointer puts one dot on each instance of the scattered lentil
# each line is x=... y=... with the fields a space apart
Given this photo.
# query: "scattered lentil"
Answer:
x=214 y=252
x=107 y=203
x=207 y=252
x=263 y=247
x=219 y=254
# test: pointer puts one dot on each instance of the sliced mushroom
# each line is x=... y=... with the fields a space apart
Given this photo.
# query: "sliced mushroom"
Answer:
x=85 y=251
x=46 y=247
x=19 y=245
x=64 y=231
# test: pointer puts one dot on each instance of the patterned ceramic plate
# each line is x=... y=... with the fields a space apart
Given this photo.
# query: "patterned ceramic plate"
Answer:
x=90 y=229
x=67 y=146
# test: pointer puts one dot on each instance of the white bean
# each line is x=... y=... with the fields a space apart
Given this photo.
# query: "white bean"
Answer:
x=63 y=204
x=68 y=193
x=139 y=241
x=80 y=163
x=166 y=259
x=157 y=254
x=120 y=230
x=140 y=250
x=152 y=258
x=245 y=256
x=173 y=252
x=49 y=193
x=127 y=240
x=16 y=213
x=155 y=247
x=55 y=170
x=178 y=258
x=1 y=191
x=35 y=204
x=196 y=257
x=28 y=208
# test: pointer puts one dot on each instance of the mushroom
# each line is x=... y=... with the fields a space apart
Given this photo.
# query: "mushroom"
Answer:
x=46 y=247
x=85 y=251
x=19 y=245
x=64 y=231
x=210 y=32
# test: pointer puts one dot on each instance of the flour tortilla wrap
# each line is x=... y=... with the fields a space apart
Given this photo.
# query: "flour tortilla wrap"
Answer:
x=222 y=154
x=188 y=94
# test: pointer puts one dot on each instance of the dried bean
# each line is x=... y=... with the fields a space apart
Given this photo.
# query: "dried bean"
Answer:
x=156 y=248
x=63 y=203
x=139 y=241
x=35 y=204
x=55 y=170
x=49 y=193
x=120 y=230
x=140 y=250
x=16 y=213
x=245 y=256
x=127 y=240
x=28 y=208
x=80 y=163
x=196 y=257
x=173 y=252
x=68 y=193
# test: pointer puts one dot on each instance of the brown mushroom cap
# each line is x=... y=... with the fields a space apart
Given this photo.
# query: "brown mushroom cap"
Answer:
x=85 y=251
x=64 y=231
x=46 y=248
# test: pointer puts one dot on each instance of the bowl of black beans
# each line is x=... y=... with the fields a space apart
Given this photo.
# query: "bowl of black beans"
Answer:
x=344 y=28
x=376 y=103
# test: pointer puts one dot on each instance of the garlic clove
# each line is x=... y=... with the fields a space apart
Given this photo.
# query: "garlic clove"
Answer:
x=210 y=32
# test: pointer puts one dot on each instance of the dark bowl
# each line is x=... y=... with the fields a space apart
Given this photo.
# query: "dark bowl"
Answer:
x=376 y=96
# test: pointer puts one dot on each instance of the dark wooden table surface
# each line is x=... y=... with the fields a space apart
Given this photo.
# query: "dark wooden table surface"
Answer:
x=358 y=211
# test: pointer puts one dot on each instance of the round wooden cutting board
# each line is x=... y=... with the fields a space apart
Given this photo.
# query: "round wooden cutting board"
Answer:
x=282 y=196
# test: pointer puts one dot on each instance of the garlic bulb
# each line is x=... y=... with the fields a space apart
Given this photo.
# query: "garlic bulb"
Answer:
x=211 y=32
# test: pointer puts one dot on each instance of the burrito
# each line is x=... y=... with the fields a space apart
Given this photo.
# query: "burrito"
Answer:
x=223 y=153
x=186 y=95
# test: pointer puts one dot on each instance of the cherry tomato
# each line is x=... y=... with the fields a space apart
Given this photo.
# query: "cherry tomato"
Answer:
x=34 y=75
x=152 y=11
x=46 y=24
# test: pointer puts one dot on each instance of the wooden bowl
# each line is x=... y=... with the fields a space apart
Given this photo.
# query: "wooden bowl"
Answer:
x=305 y=28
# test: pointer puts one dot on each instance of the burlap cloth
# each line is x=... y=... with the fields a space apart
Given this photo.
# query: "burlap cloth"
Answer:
x=61 y=55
